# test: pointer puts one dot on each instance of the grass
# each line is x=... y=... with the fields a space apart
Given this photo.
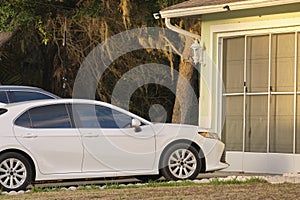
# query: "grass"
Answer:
x=184 y=183
x=236 y=181
x=215 y=189
x=152 y=184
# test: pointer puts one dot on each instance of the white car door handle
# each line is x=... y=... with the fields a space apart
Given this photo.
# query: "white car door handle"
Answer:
x=91 y=135
x=29 y=135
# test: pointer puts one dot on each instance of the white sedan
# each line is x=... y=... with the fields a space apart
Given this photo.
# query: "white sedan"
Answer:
x=75 y=138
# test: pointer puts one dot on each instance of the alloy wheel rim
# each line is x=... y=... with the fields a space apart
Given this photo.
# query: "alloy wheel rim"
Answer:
x=13 y=173
x=182 y=163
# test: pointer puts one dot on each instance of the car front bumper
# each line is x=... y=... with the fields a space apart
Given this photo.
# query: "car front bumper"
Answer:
x=215 y=155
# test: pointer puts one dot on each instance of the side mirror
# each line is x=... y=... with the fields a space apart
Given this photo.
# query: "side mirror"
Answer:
x=135 y=123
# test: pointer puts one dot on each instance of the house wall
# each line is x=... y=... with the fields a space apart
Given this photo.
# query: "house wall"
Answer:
x=248 y=22
x=213 y=24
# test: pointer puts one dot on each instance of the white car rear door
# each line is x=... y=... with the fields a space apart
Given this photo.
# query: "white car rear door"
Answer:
x=56 y=146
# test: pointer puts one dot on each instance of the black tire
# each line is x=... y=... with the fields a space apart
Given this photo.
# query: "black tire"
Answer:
x=180 y=162
x=147 y=178
x=15 y=172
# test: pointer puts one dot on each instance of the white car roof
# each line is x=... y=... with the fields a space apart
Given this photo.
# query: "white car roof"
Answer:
x=33 y=103
x=56 y=101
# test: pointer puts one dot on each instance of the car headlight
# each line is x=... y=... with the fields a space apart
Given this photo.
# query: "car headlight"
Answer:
x=210 y=135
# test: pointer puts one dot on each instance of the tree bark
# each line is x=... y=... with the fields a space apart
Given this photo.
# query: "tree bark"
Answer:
x=183 y=99
x=6 y=36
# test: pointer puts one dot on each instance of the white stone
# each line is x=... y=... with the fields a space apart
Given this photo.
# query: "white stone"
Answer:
x=21 y=192
x=292 y=177
x=297 y=180
x=72 y=188
x=205 y=181
x=275 y=179
x=12 y=193
x=296 y=175
x=241 y=178
x=232 y=177
x=197 y=181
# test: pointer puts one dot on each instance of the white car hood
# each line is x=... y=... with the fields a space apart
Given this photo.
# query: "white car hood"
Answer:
x=174 y=129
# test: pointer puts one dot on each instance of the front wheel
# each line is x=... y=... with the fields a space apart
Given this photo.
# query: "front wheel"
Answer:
x=181 y=161
x=15 y=172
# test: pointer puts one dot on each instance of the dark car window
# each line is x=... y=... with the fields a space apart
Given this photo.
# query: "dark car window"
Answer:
x=3 y=97
x=23 y=120
x=19 y=96
x=52 y=116
x=2 y=111
x=91 y=116
x=109 y=118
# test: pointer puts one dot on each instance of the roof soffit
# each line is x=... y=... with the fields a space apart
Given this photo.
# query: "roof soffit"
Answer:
x=199 y=7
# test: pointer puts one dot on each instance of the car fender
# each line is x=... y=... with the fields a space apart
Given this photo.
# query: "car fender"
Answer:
x=11 y=146
x=168 y=134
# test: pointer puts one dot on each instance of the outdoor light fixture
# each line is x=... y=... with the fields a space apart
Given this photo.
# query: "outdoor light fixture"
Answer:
x=198 y=53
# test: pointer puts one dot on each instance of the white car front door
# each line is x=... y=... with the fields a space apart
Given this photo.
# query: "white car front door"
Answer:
x=47 y=134
x=111 y=144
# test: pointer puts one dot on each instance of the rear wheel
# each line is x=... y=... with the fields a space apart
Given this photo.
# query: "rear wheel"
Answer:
x=181 y=161
x=15 y=172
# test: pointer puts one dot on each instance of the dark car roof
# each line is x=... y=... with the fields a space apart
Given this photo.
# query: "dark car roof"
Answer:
x=26 y=88
x=18 y=87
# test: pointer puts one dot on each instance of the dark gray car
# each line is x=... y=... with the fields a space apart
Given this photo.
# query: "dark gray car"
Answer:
x=13 y=94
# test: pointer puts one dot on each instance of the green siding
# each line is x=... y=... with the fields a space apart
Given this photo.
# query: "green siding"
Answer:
x=232 y=17
x=242 y=16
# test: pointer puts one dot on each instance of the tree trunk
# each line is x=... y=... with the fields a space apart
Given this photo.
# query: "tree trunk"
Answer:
x=5 y=36
x=185 y=98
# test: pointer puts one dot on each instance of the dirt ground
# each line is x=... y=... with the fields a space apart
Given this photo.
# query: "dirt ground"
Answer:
x=255 y=191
